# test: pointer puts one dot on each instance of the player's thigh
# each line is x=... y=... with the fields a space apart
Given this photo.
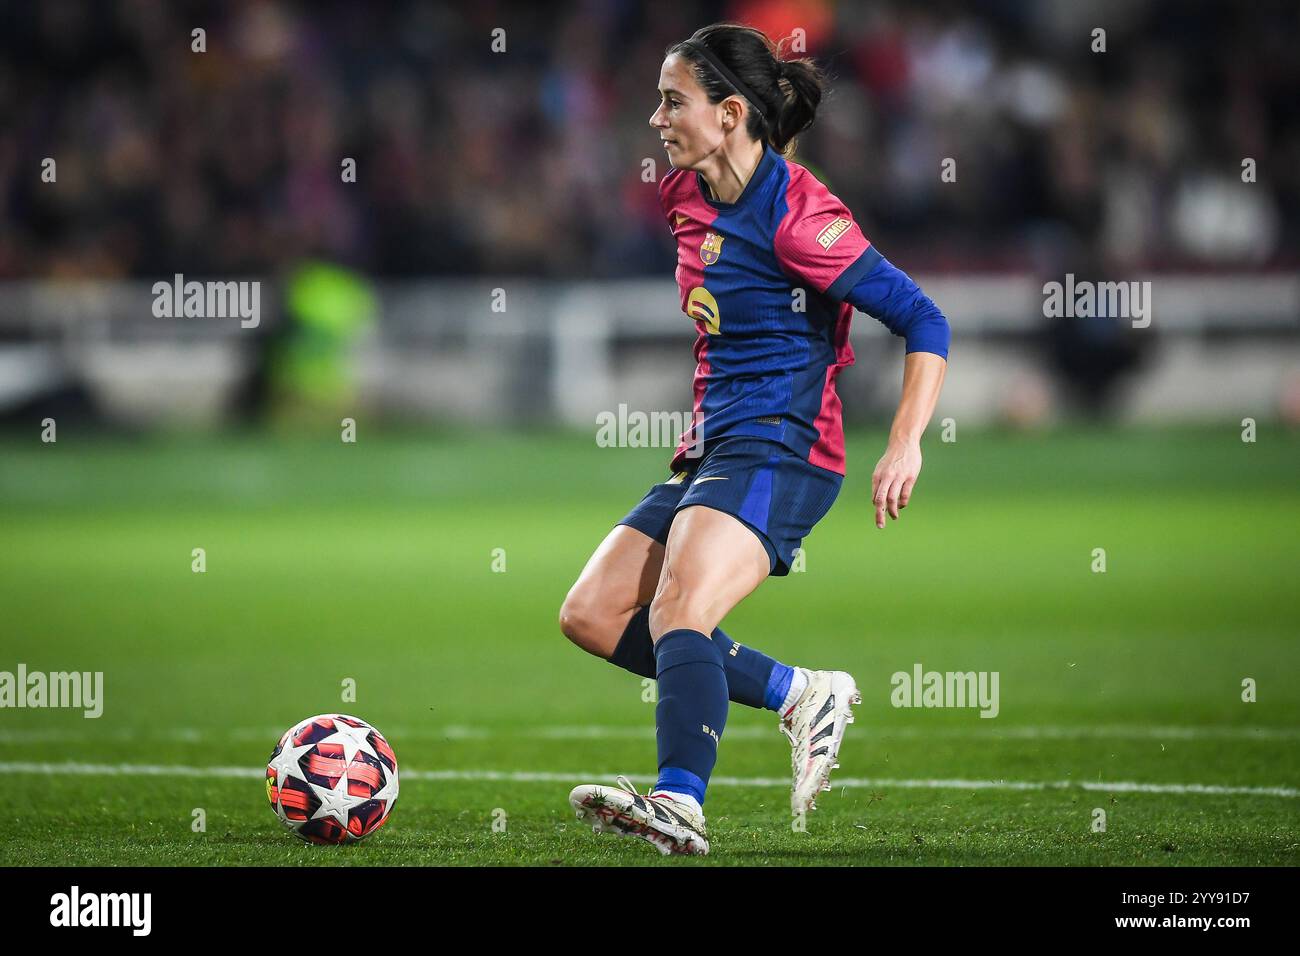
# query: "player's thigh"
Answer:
x=624 y=568
x=619 y=577
x=711 y=563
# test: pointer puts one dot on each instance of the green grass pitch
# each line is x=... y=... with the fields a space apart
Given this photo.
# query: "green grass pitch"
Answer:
x=374 y=562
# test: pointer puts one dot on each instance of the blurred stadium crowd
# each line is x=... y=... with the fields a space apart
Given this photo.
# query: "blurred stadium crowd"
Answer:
x=529 y=161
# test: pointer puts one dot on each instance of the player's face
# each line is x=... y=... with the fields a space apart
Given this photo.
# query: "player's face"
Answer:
x=689 y=125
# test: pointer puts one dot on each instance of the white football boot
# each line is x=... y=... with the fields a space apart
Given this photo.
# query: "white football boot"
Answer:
x=815 y=726
x=669 y=825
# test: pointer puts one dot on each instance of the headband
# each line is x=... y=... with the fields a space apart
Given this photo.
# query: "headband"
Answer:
x=727 y=75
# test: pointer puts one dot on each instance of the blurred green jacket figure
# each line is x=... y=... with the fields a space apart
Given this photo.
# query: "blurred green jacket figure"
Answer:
x=310 y=355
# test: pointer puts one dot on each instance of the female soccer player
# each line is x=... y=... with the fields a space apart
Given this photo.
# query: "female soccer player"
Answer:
x=770 y=266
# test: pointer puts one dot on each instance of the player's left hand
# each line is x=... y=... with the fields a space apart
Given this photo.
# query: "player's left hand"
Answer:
x=892 y=481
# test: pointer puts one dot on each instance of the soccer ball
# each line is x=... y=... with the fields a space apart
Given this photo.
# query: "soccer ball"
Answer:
x=332 y=779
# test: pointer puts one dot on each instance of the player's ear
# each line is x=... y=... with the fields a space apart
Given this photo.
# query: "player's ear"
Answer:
x=731 y=113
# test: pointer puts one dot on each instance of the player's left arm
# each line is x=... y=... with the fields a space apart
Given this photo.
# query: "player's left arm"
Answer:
x=888 y=294
x=820 y=244
x=899 y=466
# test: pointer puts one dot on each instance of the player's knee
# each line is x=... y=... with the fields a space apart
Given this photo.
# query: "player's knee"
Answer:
x=670 y=607
x=580 y=623
x=572 y=620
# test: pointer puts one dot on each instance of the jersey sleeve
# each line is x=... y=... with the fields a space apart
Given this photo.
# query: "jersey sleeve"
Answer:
x=818 y=243
x=889 y=295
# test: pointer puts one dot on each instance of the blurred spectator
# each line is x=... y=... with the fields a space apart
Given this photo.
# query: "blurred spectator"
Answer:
x=529 y=161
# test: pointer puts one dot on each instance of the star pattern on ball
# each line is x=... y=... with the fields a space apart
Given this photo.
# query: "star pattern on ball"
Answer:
x=286 y=762
x=352 y=739
x=389 y=790
x=333 y=802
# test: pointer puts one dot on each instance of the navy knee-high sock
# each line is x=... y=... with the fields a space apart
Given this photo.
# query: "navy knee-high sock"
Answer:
x=636 y=651
x=692 y=710
x=753 y=678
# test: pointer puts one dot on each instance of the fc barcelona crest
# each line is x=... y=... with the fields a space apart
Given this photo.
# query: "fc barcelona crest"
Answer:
x=711 y=248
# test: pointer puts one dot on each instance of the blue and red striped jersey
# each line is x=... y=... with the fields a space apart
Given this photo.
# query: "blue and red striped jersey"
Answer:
x=768 y=280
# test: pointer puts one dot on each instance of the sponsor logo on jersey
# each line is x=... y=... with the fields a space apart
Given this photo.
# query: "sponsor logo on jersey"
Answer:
x=703 y=307
x=711 y=248
x=826 y=238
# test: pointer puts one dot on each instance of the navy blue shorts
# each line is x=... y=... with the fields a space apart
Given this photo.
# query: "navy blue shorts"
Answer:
x=775 y=493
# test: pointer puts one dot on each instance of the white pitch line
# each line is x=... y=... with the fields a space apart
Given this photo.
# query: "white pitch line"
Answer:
x=526 y=776
x=982 y=730
x=126 y=770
